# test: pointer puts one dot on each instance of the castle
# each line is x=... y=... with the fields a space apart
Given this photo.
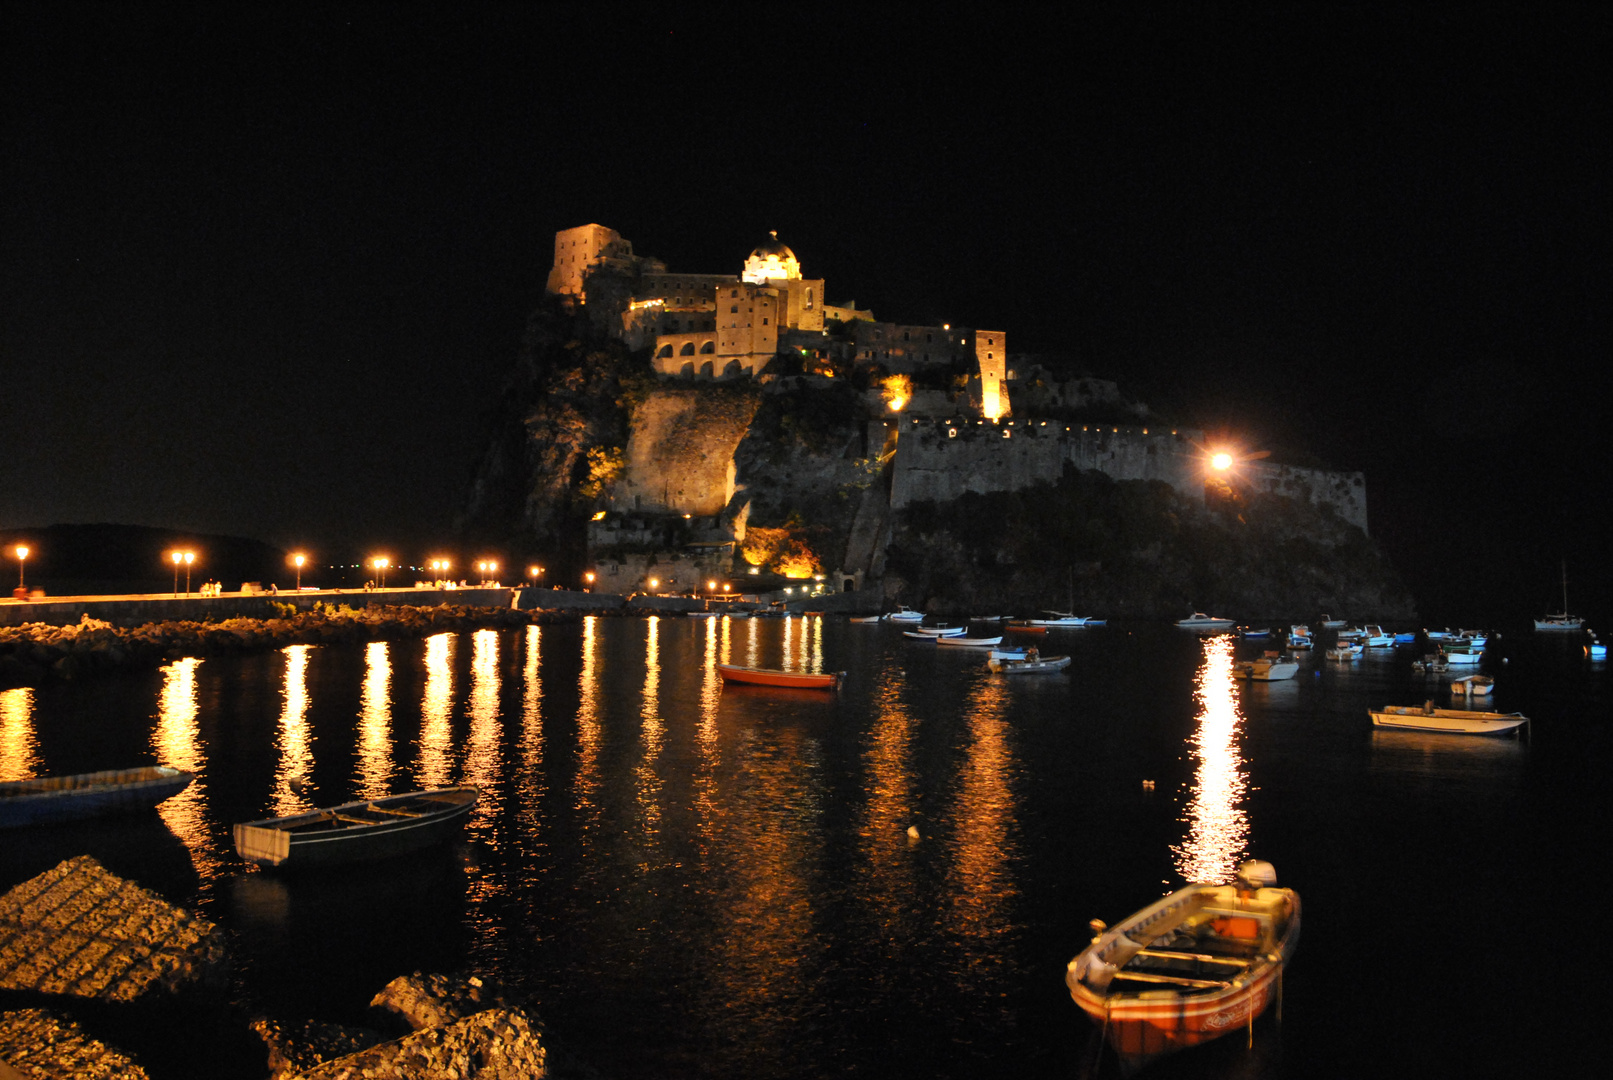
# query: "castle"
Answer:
x=946 y=412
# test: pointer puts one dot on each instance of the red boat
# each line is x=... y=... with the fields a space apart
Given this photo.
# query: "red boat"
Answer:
x=799 y=680
x=1202 y=962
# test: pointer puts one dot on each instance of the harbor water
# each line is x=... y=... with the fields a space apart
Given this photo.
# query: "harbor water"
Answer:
x=686 y=879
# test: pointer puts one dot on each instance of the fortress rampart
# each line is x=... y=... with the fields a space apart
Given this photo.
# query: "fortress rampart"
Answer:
x=941 y=460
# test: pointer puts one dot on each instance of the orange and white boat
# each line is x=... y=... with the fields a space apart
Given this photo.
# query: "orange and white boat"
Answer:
x=799 y=680
x=1189 y=968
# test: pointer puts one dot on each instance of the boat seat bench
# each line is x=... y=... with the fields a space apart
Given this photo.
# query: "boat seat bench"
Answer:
x=1197 y=957
x=1172 y=980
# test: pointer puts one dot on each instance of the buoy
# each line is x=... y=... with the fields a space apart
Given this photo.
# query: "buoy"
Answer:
x=912 y=832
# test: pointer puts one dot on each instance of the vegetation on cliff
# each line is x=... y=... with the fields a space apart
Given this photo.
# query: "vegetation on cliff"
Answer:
x=1138 y=548
x=558 y=435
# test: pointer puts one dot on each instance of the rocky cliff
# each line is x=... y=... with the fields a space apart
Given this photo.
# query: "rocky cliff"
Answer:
x=1138 y=548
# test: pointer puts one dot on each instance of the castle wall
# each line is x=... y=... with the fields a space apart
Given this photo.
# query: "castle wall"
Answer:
x=1345 y=492
x=680 y=453
x=578 y=249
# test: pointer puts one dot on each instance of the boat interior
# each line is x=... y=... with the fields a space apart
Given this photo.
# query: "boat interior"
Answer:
x=1198 y=945
x=379 y=812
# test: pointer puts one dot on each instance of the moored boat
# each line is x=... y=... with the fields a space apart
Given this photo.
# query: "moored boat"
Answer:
x=1299 y=636
x=956 y=641
x=1376 y=637
x=1463 y=657
x=865 y=618
x=1204 y=961
x=795 y=680
x=357 y=831
x=1058 y=618
x=1267 y=668
x=903 y=614
x=1011 y=653
x=1472 y=686
x=1029 y=665
x=47 y=799
x=1200 y=621
x=1595 y=649
x=1450 y=721
x=1346 y=651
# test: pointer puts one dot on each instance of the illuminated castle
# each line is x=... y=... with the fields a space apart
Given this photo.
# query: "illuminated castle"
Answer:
x=723 y=326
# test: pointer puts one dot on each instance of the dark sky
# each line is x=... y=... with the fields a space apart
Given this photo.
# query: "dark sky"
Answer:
x=265 y=275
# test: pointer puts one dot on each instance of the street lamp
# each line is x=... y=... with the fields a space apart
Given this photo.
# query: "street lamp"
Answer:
x=380 y=563
x=22 y=561
x=178 y=558
x=589 y=579
x=185 y=559
x=533 y=573
x=297 y=561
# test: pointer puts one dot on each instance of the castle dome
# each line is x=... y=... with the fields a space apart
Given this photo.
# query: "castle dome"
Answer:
x=771 y=260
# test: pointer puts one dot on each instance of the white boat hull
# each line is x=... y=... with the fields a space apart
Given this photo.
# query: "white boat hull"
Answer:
x=1449 y=721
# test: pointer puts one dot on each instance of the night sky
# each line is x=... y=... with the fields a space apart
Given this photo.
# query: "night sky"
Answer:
x=265 y=275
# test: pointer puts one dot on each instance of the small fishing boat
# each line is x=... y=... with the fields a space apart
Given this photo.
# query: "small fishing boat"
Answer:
x=1251 y=632
x=1200 y=963
x=1029 y=665
x=1472 y=686
x=1432 y=664
x=1328 y=622
x=1059 y=618
x=1406 y=637
x=1010 y=653
x=904 y=614
x=865 y=618
x=1376 y=637
x=1200 y=621
x=1025 y=628
x=1272 y=668
x=1463 y=657
x=795 y=680
x=1351 y=633
x=1299 y=636
x=357 y=831
x=48 y=799
x=988 y=618
x=1450 y=721
x=955 y=641
x=930 y=635
x=1439 y=635
x=1346 y=651
x=1595 y=649
x=703 y=614
x=939 y=631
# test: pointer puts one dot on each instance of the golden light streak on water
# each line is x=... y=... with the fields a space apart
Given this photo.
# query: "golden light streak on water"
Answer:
x=817 y=646
x=979 y=913
x=589 y=735
x=654 y=729
x=177 y=742
x=19 y=750
x=375 y=723
x=531 y=783
x=436 y=712
x=886 y=882
x=481 y=754
x=753 y=626
x=787 y=658
x=1218 y=827
x=296 y=756
x=706 y=735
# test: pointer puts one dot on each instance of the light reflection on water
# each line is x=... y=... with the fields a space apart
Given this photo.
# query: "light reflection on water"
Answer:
x=482 y=763
x=375 y=723
x=296 y=756
x=19 y=750
x=178 y=743
x=1218 y=826
x=653 y=731
x=589 y=735
x=532 y=788
x=436 y=713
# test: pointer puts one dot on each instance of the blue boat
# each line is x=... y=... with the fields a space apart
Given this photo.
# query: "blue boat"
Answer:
x=46 y=800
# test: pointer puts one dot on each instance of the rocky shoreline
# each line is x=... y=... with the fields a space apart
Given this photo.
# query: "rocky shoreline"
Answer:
x=36 y=653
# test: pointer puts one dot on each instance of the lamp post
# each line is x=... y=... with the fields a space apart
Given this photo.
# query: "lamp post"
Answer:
x=190 y=557
x=297 y=561
x=22 y=562
x=588 y=580
x=381 y=563
x=533 y=573
x=178 y=557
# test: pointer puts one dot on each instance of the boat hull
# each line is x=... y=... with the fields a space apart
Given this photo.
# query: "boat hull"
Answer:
x=49 y=799
x=1448 y=721
x=303 y=841
x=795 y=680
x=1148 y=1024
x=1029 y=667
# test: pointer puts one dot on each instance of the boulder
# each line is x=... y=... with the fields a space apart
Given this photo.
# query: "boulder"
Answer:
x=296 y=1048
x=427 y=1001
x=38 y=1045
x=496 y=1044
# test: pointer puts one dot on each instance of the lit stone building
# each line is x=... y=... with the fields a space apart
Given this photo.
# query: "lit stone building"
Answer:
x=720 y=326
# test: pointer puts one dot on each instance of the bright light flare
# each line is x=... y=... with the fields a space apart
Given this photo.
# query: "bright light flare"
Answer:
x=1221 y=461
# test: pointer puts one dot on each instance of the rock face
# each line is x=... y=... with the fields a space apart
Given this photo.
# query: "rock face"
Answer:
x=495 y=1044
x=40 y=1046
x=295 y=1048
x=81 y=931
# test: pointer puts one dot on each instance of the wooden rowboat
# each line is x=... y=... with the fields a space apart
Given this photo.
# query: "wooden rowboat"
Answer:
x=797 y=680
x=1204 y=961
x=970 y=642
x=1449 y=721
x=1029 y=666
x=48 y=799
x=356 y=831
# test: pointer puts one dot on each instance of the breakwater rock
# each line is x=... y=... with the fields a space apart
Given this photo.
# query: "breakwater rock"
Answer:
x=79 y=930
x=39 y=1045
x=457 y=1028
x=35 y=653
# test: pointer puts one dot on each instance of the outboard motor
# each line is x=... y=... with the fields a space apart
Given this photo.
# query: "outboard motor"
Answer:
x=1256 y=874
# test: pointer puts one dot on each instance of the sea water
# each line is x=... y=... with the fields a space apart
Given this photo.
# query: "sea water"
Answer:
x=686 y=879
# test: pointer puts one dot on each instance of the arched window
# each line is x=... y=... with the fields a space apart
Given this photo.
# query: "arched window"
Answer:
x=687 y=350
x=666 y=350
x=708 y=347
